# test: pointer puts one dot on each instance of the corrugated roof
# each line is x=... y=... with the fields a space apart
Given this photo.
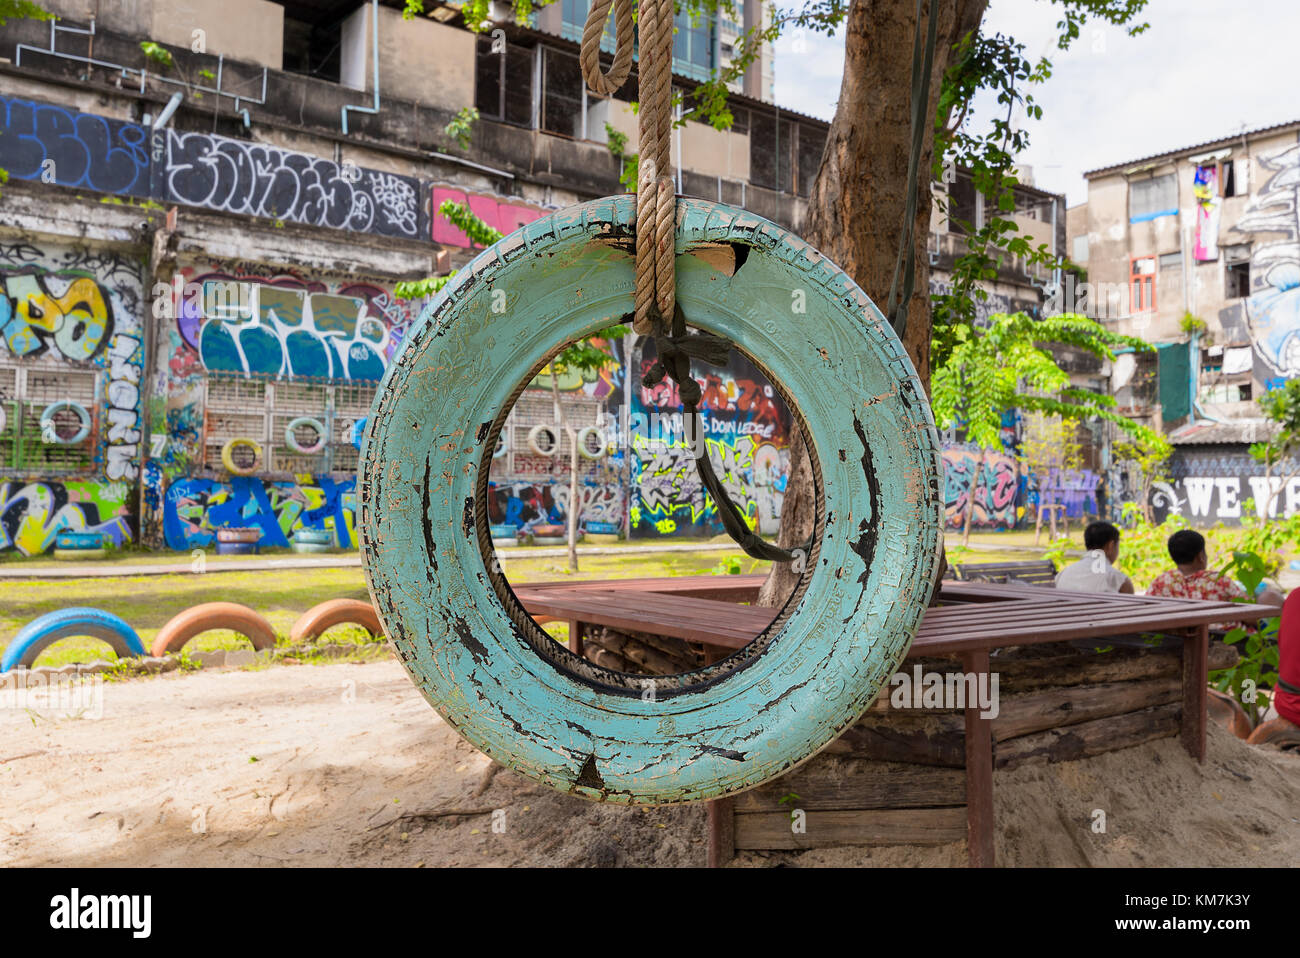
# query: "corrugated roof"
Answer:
x=1208 y=144
x=1206 y=433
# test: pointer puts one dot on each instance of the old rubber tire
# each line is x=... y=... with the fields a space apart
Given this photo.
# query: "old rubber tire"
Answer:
x=39 y=634
x=51 y=436
x=291 y=437
x=228 y=456
x=184 y=626
x=334 y=612
x=523 y=698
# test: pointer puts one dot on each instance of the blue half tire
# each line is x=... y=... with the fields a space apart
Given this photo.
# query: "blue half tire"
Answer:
x=36 y=636
x=484 y=664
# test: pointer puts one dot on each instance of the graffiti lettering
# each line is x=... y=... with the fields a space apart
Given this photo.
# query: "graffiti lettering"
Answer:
x=33 y=514
x=81 y=149
x=261 y=180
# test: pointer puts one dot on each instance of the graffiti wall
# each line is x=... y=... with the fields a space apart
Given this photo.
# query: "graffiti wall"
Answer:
x=238 y=176
x=1222 y=483
x=52 y=144
x=1271 y=313
x=747 y=433
x=249 y=320
x=32 y=514
x=194 y=508
x=70 y=337
x=996 y=488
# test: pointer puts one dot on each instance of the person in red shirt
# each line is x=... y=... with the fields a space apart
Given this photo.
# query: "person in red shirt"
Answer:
x=1194 y=579
x=1286 y=697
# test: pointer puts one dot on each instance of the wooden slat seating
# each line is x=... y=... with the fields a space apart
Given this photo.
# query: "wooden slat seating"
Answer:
x=969 y=620
x=1028 y=571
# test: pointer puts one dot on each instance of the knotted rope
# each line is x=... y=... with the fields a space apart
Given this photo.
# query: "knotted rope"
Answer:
x=656 y=206
x=656 y=234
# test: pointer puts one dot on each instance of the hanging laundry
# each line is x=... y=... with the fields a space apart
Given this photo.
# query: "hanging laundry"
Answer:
x=1205 y=187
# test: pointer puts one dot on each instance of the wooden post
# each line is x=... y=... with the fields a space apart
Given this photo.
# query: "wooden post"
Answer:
x=1196 y=661
x=722 y=831
x=979 y=772
x=575 y=637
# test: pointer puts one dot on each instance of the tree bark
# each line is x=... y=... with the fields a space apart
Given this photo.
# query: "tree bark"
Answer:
x=857 y=201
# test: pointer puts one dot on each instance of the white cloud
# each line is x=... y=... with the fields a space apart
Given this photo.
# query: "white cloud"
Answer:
x=1204 y=69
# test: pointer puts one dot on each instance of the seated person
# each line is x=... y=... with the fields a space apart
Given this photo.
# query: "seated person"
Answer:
x=1194 y=579
x=1286 y=697
x=1096 y=572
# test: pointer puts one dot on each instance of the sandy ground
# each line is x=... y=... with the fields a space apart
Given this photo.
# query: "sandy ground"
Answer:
x=345 y=764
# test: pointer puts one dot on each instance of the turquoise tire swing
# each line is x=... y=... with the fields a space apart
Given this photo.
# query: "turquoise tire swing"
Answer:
x=517 y=694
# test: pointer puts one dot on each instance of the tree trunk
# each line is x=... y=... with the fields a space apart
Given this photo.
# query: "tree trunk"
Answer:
x=856 y=206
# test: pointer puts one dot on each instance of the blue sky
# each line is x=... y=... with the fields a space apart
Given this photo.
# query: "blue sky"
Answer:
x=1205 y=69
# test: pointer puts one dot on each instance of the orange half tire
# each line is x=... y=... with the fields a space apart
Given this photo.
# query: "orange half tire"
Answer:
x=173 y=636
x=335 y=612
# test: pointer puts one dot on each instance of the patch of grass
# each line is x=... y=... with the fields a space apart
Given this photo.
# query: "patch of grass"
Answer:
x=281 y=595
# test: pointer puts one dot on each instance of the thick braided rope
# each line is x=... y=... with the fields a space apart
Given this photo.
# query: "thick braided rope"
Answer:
x=589 y=55
x=656 y=206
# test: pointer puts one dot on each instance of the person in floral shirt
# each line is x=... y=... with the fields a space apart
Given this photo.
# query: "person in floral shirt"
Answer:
x=1194 y=579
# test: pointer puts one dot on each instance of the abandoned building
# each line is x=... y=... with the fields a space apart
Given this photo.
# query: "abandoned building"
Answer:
x=209 y=204
x=1196 y=250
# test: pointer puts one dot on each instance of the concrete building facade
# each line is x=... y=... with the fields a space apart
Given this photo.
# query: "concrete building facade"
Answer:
x=1197 y=251
x=207 y=211
x=209 y=206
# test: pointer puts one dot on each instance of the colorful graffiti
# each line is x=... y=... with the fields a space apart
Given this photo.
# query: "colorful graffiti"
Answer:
x=1272 y=311
x=996 y=488
x=747 y=428
x=193 y=509
x=70 y=313
x=287 y=325
x=41 y=141
x=504 y=216
x=670 y=497
x=239 y=176
x=83 y=308
x=525 y=504
x=1075 y=489
x=32 y=514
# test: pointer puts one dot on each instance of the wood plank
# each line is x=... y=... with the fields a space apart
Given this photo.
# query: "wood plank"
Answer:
x=1195 y=680
x=979 y=773
x=894 y=826
x=722 y=832
x=914 y=743
x=1060 y=707
x=829 y=783
x=1090 y=738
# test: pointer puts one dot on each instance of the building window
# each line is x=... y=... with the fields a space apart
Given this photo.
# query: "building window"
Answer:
x=503 y=83
x=1228 y=180
x=693 y=47
x=1171 y=261
x=1152 y=197
x=561 y=93
x=1079 y=252
x=313 y=49
x=1236 y=265
x=1142 y=286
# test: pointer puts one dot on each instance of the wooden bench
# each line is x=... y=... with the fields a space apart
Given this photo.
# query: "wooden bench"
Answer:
x=1028 y=572
x=969 y=621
